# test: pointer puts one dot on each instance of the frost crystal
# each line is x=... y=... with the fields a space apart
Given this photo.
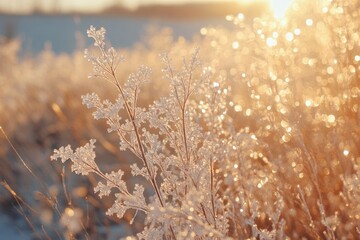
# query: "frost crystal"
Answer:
x=83 y=159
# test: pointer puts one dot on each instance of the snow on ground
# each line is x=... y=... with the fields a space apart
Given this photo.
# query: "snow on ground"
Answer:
x=13 y=229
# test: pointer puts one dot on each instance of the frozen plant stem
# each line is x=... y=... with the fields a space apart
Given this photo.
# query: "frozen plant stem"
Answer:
x=182 y=103
x=132 y=116
x=313 y=170
x=182 y=100
x=140 y=145
x=212 y=190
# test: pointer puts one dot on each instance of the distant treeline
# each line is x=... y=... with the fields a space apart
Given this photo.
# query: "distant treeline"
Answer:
x=191 y=11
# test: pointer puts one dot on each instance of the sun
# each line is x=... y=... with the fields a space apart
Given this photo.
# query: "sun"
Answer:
x=279 y=7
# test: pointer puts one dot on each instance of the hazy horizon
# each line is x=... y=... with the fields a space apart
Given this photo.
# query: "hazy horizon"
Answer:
x=88 y=6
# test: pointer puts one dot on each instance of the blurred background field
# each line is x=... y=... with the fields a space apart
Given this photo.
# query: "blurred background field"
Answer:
x=301 y=76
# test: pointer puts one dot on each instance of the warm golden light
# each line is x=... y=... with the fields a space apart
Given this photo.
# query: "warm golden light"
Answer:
x=70 y=212
x=279 y=7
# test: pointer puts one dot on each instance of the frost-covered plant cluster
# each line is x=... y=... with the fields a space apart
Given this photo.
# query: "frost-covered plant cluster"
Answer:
x=181 y=141
x=176 y=153
x=262 y=144
x=259 y=139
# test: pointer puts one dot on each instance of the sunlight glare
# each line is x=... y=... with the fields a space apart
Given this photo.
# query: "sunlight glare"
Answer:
x=279 y=7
